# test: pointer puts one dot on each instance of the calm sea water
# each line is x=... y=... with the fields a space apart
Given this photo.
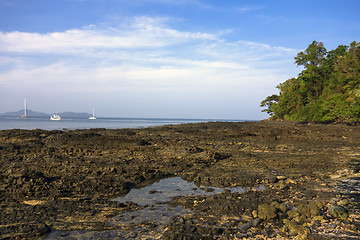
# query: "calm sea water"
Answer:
x=84 y=123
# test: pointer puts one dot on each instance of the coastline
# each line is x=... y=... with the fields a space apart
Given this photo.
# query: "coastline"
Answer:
x=32 y=123
x=65 y=180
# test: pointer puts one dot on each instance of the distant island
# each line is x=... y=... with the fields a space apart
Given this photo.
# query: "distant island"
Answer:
x=326 y=91
x=31 y=113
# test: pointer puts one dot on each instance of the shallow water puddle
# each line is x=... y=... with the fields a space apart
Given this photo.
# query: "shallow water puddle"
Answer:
x=154 y=197
x=166 y=189
x=150 y=221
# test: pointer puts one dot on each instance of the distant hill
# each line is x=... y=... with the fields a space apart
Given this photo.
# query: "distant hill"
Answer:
x=31 y=113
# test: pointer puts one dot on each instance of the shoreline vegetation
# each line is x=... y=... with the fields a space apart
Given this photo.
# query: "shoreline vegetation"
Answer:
x=66 y=180
x=326 y=91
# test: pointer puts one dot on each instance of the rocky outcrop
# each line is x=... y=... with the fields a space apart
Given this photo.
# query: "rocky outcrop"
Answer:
x=65 y=180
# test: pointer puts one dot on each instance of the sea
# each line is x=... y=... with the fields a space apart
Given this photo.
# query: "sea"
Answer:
x=84 y=123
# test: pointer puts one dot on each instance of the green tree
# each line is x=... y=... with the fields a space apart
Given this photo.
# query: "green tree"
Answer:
x=269 y=103
x=348 y=67
x=313 y=56
x=327 y=90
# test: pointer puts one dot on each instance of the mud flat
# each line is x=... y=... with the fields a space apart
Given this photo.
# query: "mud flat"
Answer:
x=300 y=181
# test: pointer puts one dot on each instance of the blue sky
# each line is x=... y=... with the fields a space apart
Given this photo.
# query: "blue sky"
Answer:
x=160 y=58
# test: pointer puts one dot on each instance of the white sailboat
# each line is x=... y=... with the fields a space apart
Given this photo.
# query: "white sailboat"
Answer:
x=55 y=117
x=25 y=113
x=93 y=115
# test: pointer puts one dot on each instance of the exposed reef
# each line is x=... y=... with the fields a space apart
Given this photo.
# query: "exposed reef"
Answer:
x=66 y=180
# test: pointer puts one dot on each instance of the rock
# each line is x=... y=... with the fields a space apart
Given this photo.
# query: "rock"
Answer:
x=221 y=156
x=144 y=142
x=343 y=202
x=244 y=227
x=280 y=206
x=291 y=181
x=279 y=178
x=271 y=179
x=309 y=210
x=195 y=149
x=293 y=214
x=281 y=185
x=283 y=207
x=282 y=147
x=331 y=226
x=338 y=211
x=255 y=222
x=282 y=216
x=110 y=164
x=266 y=212
x=295 y=229
x=255 y=214
x=302 y=236
x=317 y=218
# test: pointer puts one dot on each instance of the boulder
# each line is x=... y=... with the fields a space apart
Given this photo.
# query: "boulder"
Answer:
x=293 y=214
x=343 y=202
x=294 y=228
x=267 y=212
x=338 y=211
x=309 y=210
x=280 y=206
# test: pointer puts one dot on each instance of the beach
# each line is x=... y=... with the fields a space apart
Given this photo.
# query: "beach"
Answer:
x=299 y=181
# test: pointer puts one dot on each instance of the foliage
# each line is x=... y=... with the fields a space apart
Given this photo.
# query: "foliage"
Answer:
x=327 y=90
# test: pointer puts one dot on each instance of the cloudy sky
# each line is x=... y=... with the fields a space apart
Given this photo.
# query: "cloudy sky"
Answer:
x=160 y=58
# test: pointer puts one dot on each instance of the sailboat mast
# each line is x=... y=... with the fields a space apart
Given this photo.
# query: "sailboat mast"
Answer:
x=93 y=115
x=25 y=107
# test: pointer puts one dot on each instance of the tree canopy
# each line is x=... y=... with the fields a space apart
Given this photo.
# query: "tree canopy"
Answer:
x=327 y=90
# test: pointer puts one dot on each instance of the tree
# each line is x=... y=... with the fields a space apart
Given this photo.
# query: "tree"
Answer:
x=327 y=90
x=348 y=67
x=313 y=56
x=268 y=103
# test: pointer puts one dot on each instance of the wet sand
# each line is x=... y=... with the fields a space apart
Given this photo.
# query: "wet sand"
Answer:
x=59 y=181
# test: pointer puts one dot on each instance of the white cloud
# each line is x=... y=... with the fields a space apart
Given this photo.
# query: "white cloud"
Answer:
x=141 y=59
x=143 y=32
x=7 y=3
x=250 y=8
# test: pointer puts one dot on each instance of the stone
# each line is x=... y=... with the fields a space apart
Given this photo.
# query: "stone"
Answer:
x=267 y=212
x=244 y=227
x=255 y=222
x=293 y=214
x=295 y=229
x=279 y=178
x=281 y=215
x=309 y=210
x=314 y=210
x=271 y=179
x=338 y=211
x=317 y=218
x=343 y=202
x=281 y=185
x=254 y=213
x=282 y=207
x=291 y=181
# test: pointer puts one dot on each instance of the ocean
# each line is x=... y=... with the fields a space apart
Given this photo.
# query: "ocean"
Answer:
x=84 y=123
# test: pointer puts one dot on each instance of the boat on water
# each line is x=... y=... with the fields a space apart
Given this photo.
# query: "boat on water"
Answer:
x=93 y=115
x=25 y=113
x=55 y=117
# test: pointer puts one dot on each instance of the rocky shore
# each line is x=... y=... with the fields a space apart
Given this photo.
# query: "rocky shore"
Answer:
x=301 y=180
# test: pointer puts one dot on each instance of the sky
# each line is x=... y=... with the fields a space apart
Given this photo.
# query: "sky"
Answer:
x=160 y=58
